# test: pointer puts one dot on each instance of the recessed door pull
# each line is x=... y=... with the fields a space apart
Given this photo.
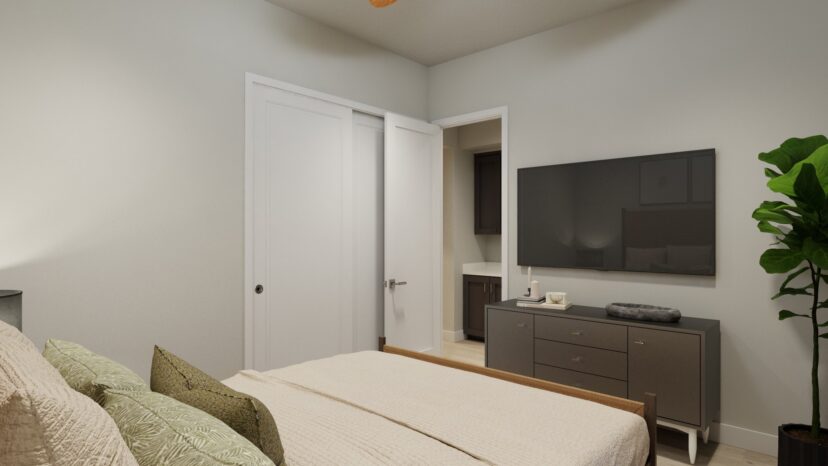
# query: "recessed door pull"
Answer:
x=259 y=289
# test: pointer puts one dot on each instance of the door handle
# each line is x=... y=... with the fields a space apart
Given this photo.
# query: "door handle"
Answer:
x=521 y=324
x=576 y=333
x=393 y=283
x=638 y=342
x=577 y=359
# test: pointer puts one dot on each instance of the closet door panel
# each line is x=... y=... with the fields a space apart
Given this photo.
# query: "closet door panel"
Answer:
x=303 y=233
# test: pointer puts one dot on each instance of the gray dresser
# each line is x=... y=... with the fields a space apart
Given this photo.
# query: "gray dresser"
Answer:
x=584 y=347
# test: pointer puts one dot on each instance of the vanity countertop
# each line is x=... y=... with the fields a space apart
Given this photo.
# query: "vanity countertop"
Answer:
x=486 y=269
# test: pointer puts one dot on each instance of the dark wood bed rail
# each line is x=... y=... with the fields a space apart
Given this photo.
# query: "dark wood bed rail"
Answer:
x=646 y=409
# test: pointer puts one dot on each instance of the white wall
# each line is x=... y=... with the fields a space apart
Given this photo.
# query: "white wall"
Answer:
x=122 y=154
x=658 y=76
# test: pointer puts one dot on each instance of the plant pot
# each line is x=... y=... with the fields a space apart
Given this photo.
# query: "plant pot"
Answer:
x=797 y=448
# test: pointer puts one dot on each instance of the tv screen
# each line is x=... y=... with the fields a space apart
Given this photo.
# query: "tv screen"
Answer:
x=654 y=213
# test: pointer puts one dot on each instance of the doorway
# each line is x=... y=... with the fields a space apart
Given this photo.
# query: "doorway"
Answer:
x=474 y=228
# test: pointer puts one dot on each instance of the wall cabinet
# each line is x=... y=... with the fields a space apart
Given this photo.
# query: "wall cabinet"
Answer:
x=487 y=198
x=478 y=291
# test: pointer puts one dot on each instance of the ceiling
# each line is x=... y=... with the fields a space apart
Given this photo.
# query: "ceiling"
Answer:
x=435 y=31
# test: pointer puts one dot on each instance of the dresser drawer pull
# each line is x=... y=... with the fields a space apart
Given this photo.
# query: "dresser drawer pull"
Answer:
x=577 y=359
x=638 y=342
x=522 y=324
x=576 y=333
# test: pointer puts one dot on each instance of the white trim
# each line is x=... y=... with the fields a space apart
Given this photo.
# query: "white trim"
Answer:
x=477 y=117
x=252 y=78
x=453 y=335
x=248 y=220
x=744 y=438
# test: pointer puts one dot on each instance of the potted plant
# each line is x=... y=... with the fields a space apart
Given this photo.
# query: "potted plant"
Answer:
x=800 y=227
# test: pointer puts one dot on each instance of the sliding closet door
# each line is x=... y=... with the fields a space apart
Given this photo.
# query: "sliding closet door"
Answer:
x=303 y=233
x=413 y=233
x=369 y=141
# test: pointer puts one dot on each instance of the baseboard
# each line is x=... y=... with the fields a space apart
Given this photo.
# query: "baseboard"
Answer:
x=453 y=335
x=744 y=438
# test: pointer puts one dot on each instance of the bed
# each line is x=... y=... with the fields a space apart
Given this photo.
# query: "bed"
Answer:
x=395 y=406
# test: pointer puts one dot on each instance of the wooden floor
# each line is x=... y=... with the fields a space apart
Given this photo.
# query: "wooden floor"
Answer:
x=672 y=445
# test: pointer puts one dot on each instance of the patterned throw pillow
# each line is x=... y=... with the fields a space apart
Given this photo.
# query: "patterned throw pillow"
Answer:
x=178 y=379
x=90 y=373
x=43 y=421
x=162 y=431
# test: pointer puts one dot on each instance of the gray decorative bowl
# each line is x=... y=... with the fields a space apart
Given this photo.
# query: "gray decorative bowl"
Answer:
x=634 y=311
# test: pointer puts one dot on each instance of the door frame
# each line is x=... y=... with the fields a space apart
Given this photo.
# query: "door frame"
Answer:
x=252 y=80
x=486 y=115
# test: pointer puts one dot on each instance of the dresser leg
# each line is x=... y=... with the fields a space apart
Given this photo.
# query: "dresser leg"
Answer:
x=692 y=444
x=692 y=437
x=706 y=435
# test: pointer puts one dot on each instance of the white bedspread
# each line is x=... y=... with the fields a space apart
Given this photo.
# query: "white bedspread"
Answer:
x=352 y=400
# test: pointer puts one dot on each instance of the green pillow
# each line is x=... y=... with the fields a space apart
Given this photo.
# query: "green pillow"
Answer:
x=162 y=431
x=90 y=373
x=176 y=378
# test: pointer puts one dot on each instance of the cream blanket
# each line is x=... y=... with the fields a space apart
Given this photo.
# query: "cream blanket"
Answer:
x=494 y=421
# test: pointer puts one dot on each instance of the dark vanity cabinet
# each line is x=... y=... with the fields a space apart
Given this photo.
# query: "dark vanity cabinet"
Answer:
x=487 y=199
x=478 y=291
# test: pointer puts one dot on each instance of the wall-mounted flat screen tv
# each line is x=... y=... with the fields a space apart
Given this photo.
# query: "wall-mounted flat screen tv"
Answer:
x=654 y=213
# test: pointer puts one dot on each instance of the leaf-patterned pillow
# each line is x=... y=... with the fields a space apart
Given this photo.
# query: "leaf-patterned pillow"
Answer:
x=88 y=372
x=162 y=431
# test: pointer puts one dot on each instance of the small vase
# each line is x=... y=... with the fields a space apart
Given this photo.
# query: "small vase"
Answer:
x=797 y=448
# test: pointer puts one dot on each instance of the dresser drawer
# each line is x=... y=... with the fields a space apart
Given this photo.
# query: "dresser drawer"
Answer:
x=582 y=359
x=582 y=332
x=580 y=380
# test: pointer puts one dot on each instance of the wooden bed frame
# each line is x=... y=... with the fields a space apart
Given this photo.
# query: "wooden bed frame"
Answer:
x=647 y=409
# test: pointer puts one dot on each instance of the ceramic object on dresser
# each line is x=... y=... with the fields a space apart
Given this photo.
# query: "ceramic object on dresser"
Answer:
x=645 y=312
x=11 y=308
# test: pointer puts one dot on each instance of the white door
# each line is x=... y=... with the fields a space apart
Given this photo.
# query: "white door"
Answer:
x=369 y=142
x=413 y=233
x=302 y=228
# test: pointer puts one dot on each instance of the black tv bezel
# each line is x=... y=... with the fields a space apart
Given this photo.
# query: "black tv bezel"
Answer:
x=663 y=156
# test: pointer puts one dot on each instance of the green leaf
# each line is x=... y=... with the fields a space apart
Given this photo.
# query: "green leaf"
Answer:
x=780 y=260
x=771 y=173
x=824 y=324
x=768 y=215
x=816 y=252
x=766 y=227
x=794 y=275
x=793 y=292
x=786 y=314
x=808 y=189
x=792 y=151
x=785 y=184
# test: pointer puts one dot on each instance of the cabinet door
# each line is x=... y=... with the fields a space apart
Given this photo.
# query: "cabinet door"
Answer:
x=669 y=365
x=510 y=341
x=494 y=290
x=475 y=298
x=487 y=199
